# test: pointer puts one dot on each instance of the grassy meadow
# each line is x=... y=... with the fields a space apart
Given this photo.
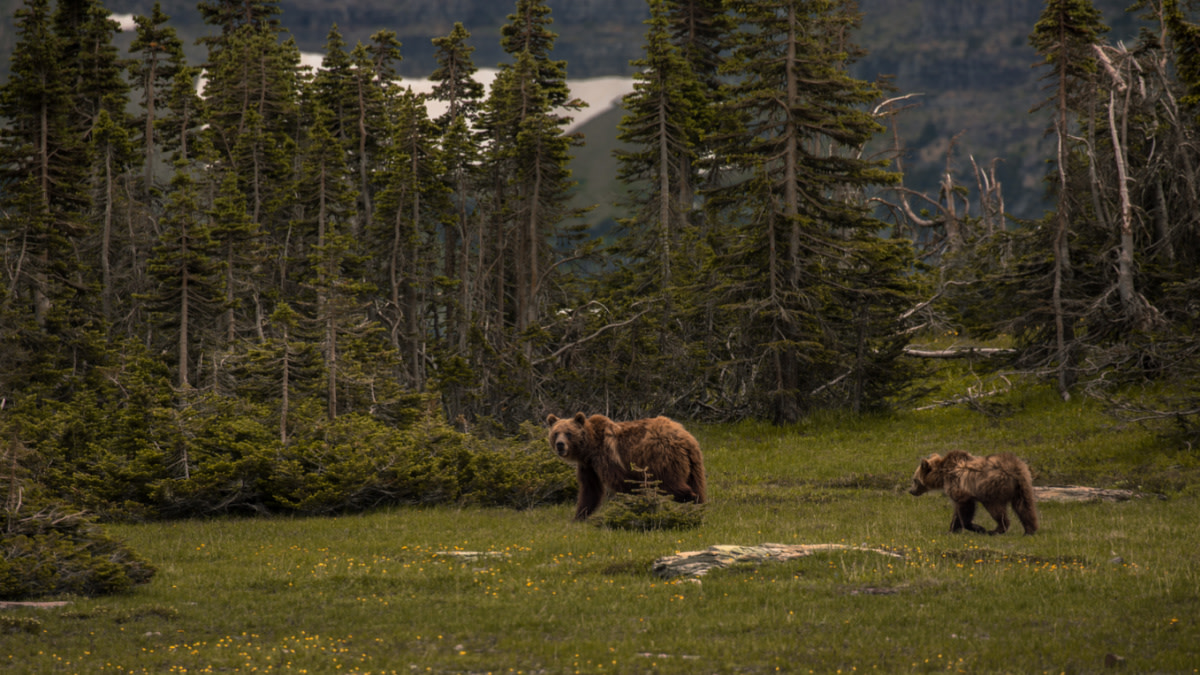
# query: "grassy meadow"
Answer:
x=450 y=590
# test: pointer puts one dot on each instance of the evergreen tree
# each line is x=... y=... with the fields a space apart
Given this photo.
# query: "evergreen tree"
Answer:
x=661 y=126
x=803 y=239
x=114 y=153
x=251 y=96
x=454 y=78
x=456 y=86
x=184 y=117
x=413 y=203
x=702 y=30
x=188 y=293
x=332 y=88
x=1065 y=36
x=160 y=59
x=241 y=250
x=326 y=214
x=528 y=32
x=42 y=165
x=86 y=30
x=527 y=162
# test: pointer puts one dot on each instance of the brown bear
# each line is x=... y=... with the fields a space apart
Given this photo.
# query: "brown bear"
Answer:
x=611 y=456
x=995 y=481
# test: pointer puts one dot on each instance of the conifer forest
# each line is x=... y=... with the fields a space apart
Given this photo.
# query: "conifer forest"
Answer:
x=246 y=286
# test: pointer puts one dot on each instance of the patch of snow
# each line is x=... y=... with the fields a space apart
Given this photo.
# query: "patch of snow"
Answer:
x=126 y=21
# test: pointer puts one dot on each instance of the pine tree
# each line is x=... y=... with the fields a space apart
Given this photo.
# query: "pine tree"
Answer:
x=1065 y=36
x=528 y=32
x=456 y=86
x=184 y=117
x=326 y=215
x=188 y=293
x=332 y=88
x=661 y=126
x=702 y=30
x=114 y=153
x=251 y=95
x=527 y=161
x=86 y=30
x=240 y=248
x=797 y=260
x=42 y=163
x=161 y=59
x=413 y=202
x=454 y=78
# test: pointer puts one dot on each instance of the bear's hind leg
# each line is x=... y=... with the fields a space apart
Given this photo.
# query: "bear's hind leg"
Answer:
x=999 y=513
x=1026 y=513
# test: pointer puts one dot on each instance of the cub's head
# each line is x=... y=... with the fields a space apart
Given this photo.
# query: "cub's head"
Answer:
x=927 y=476
x=570 y=438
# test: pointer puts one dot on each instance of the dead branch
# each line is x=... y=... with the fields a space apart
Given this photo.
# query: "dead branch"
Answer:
x=958 y=353
x=584 y=340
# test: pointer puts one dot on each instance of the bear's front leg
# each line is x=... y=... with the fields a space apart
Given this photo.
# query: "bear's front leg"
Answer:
x=964 y=515
x=591 y=492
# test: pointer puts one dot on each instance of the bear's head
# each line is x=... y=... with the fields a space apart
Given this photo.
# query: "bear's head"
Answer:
x=927 y=476
x=571 y=438
x=591 y=442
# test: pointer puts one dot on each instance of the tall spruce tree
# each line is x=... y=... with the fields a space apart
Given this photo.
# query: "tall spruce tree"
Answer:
x=455 y=86
x=251 y=97
x=661 y=128
x=529 y=155
x=187 y=296
x=1065 y=37
x=804 y=244
x=42 y=165
x=413 y=202
x=326 y=217
x=161 y=57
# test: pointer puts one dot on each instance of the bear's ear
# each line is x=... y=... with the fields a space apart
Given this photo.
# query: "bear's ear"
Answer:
x=580 y=419
x=550 y=420
x=925 y=464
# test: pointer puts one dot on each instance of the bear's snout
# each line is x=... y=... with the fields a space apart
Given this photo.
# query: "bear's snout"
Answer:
x=561 y=448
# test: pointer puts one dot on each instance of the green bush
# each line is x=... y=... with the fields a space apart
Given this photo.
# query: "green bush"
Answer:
x=648 y=508
x=519 y=473
x=49 y=553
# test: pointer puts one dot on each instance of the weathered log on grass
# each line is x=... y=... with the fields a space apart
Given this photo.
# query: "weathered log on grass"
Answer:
x=698 y=563
x=1077 y=493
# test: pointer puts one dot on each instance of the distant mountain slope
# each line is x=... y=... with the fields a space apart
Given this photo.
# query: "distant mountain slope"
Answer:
x=972 y=64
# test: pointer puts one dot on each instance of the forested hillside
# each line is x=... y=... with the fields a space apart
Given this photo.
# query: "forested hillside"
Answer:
x=970 y=61
x=291 y=289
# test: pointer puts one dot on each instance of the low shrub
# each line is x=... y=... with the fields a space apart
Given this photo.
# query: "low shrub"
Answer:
x=648 y=508
x=49 y=552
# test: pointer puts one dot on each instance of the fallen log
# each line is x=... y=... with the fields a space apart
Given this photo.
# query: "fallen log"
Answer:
x=958 y=353
x=6 y=604
x=698 y=563
x=1077 y=493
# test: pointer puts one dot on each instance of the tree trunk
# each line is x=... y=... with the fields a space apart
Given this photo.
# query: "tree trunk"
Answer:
x=1125 y=288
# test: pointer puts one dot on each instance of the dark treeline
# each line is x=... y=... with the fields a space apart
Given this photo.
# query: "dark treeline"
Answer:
x=285 y=289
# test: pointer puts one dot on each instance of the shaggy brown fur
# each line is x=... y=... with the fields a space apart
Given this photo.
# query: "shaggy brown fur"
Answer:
x=608 y=455
x=994 y=481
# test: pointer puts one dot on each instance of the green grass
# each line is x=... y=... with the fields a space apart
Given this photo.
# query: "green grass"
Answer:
x=396 y=591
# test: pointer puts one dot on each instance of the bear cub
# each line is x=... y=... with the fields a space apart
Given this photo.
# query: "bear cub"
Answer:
x=609 y=455
x=994 y=481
